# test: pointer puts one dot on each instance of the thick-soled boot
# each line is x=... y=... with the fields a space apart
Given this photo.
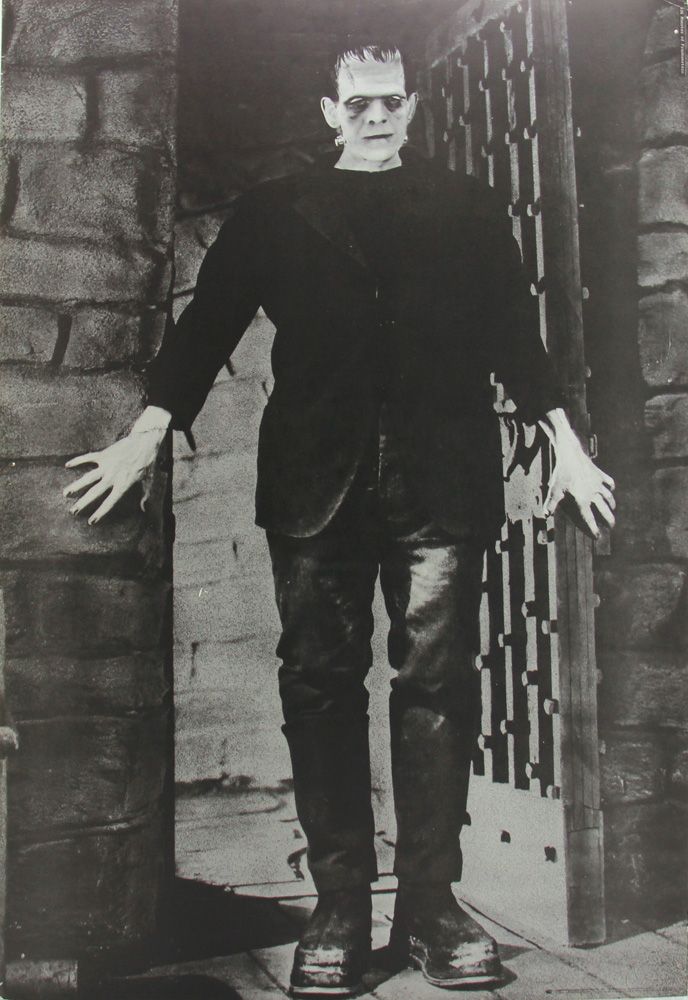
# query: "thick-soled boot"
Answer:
x=432 y=932
x=431 y=760
x=334 y=950
x=331 y=768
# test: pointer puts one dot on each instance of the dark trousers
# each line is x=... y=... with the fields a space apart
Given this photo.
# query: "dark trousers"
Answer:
x=324 y=586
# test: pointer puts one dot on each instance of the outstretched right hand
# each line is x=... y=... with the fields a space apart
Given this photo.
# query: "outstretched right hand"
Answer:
x=116 y=469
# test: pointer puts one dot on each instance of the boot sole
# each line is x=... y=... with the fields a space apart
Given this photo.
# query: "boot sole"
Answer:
x=325 y=991
x=455 y=982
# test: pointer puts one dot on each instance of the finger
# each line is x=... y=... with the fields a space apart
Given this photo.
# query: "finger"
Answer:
x=589 y=518
x=91 y=495
x=554 y=497
x=90 y=458
x=604 y=510
x=80 y=484
x=605 y=492
x=107 y=505
x=608 y=481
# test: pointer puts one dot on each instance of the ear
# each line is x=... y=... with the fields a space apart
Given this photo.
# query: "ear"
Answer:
x=412 y=105
x=330 y=112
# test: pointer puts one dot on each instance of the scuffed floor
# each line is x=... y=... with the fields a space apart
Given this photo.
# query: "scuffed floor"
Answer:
x=245 y=894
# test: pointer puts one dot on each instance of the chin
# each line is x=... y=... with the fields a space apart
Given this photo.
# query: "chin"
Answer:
x=376 y=155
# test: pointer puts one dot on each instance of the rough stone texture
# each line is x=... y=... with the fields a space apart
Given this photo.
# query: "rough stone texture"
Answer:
x=223 y=611
x=38 y=106
x=27 y=334
x=666 y=418
x=64 y=31
x=643 y=689
x=632 y=768
x=671 y=492
x=44 y=687
x=71 y=613
x=65 y=194
x=71 y=897
x=646 y=860
x=230 y=418
x=192 y=237
x=136 y=107
x=663 y=186
x=678 y=774
x=85 y=273
x=242 y=555
x=101 y=337
x=643 y=607
x=37 y=523
x=662 y=37
x=663 y=105
x=639 y=534
x=75 y=771
x=662 y=257
x=663 y=338
x=93 y=411
x=215 y=516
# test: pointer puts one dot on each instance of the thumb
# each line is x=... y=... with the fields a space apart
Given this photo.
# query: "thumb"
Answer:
x=554 y=496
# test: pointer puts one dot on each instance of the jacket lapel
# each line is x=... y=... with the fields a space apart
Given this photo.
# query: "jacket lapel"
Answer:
x=322 y=207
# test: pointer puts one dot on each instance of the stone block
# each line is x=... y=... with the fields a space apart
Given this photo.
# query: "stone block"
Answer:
x=209 y=666
x=102 y=337
x=41 y=106
x=72 y=272
x=76 y=772
x=95 y=195
x=198 y=475
x=663 y=103
x=137 y=108
x=204 y=562
x=43 y=414
x=671 y=491
x=86 y=894
x=642 y=607
x=645 y=860
x=666 y=418
x=68 y=31
x=663 y=338
x=230 y=418
x=38 y=525
x=215 y=517
x=663 y=186
x=663 y=34
x=239 y=754
x=72 y=613
x=252 y=356
x=224 y=611
x=662 y=257
x=632 y=768
x=43 y=687
x=644 y=689
x=27 y=334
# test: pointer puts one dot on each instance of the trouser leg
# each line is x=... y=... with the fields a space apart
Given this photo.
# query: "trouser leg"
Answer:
x=324 y=588
x=431 y=583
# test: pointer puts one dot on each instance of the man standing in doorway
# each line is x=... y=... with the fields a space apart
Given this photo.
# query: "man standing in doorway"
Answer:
x=395 y=288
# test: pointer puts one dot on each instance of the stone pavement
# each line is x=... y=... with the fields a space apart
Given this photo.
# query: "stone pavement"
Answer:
x=241 y=908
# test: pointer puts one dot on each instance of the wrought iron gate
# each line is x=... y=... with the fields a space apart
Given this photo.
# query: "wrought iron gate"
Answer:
x=498 y=89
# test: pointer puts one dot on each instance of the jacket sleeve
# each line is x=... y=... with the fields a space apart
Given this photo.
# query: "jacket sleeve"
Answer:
x=225 y=300
x=521 y=362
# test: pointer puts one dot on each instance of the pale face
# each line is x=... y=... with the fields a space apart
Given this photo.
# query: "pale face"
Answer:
x=373 y=113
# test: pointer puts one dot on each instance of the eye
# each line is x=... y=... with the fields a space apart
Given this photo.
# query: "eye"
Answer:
x=394 y=103
x=356 y=105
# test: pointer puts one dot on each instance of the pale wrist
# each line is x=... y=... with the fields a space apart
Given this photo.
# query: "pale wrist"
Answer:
x=153 y=419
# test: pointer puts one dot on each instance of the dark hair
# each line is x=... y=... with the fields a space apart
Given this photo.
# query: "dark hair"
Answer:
x=379 y=51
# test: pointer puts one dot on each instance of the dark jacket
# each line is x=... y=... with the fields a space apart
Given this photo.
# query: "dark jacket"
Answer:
x=463 y=310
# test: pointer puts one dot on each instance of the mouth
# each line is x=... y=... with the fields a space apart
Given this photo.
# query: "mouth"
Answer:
x=376 y=138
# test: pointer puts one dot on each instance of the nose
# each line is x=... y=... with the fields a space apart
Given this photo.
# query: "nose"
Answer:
x=377 y=111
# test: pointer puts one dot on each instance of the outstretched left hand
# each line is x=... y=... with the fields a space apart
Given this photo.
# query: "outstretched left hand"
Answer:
x=577 y=476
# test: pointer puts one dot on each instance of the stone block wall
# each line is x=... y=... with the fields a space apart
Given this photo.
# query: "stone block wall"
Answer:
x=631 y=105
x=87 y=187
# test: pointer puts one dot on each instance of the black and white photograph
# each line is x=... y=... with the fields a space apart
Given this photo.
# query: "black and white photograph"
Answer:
x=344 y=499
